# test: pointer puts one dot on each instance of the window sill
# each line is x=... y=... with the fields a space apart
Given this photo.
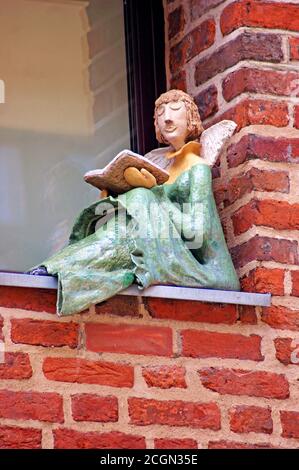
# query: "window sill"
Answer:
x=166 y=292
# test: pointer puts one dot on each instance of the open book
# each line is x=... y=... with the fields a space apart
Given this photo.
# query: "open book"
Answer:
x=112 y=176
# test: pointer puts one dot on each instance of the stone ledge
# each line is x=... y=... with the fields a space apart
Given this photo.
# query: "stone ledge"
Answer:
x=167 y=292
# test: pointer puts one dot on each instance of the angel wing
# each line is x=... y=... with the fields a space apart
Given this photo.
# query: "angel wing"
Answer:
x=213 y=140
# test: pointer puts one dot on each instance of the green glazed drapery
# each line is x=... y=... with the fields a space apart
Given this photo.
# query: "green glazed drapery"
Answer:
x=147 y=240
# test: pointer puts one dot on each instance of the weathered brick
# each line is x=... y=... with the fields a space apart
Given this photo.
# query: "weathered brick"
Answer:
x=270 y=149
x=264 y=280
x=191 y=45
x=131 y=339
x=176 y=22
x=247 y=46
x=13 y=437
x=44 y=332
x=271 y=213
x=90 y=372
x=179 y=81
x=256 y=180
x=287 y=350
x=207 y=102
x=16 y=366
x=223 y=444
x=38 y=300
x=225 y=345
x=175 y=443
x=294 y=48
x=199 y=7
x=120 y=305
x=247 y=315
x=186 y=310
x=260 y=14
x=265 y=249
x=245 y=419
x=260 y=81
x=165 y=376
x=296 y=117
x=90 y=407
x=290 y=424
x=295 y=283
x=281 y=317
x=31 y=405
x=144 y=412
x=255 y=111
x=70 y=439
x=245 y=382
x=1 y=326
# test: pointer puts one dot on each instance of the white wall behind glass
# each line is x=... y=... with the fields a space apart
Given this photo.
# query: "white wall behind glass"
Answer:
x=65 y=113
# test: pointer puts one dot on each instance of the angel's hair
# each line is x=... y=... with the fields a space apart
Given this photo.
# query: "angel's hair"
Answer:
x=194 y=124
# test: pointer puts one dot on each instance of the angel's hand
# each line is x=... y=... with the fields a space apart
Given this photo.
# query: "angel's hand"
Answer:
x=139 y=178
x=104 y=193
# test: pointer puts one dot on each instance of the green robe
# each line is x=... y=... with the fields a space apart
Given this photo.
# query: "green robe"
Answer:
x=144 y=243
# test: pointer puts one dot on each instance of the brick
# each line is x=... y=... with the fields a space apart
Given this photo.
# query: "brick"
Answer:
x=175 y=443
x=120 y=305
x=247 y=315
x=144 y=412
x=257 y=180
x=207 y=102
x=13 y=437
x=259 y=14
x=1 y=326
x=245 y=382
x=270 y=213
x=90 y=407
x=245 y=419
x=269 y=149
x=287 y=350
x=70 y=439
x=199 y=7
x=179 y=81
x=247 y=80
x=186 y=310
x=38 y=300
x=16 y=366
x=296 y=117
x=191 y=45
x=165 y=376
x=44 y=333
x=223 y=444
x=290 y=424
x=294 y=48
x=255 y=111
x=265 y=249
x=295 y=283
x=281 y=317
x=131 y=339
x=247 y=46
x=91 y=372
x=31 y=405
x=264 y=280
x=224 y=345
x=176 y=22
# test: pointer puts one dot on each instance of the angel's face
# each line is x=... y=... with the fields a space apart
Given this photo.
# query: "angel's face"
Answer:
x=172 y=122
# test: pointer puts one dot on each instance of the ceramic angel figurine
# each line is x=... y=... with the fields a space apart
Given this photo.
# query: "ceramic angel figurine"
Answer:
x=157 y=234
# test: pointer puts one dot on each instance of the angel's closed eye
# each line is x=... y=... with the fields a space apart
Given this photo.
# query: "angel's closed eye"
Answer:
x=176 y=105
x=160 y=110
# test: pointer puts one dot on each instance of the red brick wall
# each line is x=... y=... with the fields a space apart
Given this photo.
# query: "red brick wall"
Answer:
x=163 y=373
x=157 y=373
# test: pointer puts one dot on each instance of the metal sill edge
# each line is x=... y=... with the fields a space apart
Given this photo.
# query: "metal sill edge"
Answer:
x=166 y=292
